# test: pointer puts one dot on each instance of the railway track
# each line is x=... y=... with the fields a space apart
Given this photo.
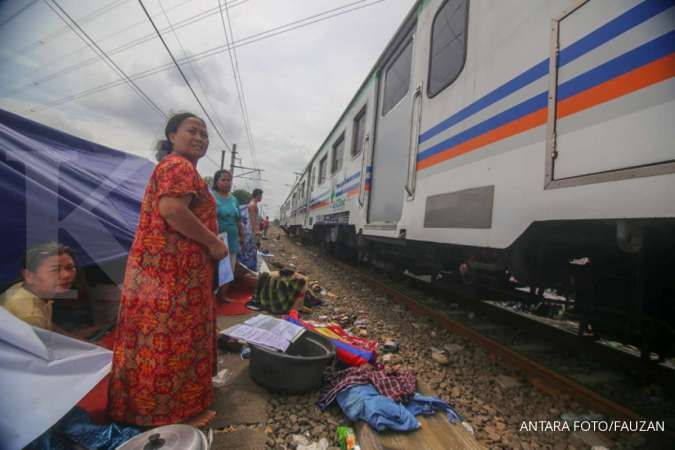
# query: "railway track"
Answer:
x=554 y=359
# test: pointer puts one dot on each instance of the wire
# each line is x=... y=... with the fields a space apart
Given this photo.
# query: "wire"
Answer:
x=245 y=41
x=238 y=83
x=214 y=162
x=19 y=11
x=138 y=41
x=96 y=49
x=194 y=72
x=159 y=35
x=196 y=57
x=92 y=15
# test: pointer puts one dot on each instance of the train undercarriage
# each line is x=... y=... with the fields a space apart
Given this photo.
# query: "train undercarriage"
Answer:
x=616 y=278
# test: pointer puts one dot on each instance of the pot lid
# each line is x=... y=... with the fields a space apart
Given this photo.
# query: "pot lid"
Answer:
x=169 y=437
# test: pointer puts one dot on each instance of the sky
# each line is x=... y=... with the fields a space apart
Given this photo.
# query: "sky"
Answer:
x=296 y=84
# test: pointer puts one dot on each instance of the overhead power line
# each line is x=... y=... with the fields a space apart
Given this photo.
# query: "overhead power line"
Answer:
x=238 y=83
x=61 y=31
x=18 y=12
x=194 y=72
x=194 y=94
x=73 y=25
x=133 y=43
x=201 y=55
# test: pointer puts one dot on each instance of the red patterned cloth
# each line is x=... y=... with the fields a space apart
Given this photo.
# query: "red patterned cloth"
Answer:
x=398 y=386
x=164 y=352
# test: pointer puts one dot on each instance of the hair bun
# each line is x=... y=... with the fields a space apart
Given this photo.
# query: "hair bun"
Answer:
x=163 y=148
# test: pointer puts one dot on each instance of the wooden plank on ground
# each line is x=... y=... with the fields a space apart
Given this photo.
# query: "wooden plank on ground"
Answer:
x=436 y=433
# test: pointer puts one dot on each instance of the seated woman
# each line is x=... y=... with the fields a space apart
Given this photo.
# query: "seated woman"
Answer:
x=48 y=272
x=279 y=292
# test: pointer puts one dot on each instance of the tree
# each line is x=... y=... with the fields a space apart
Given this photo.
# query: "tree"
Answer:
x=242 y=195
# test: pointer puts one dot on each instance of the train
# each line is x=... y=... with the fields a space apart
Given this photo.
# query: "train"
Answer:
x=519 y=143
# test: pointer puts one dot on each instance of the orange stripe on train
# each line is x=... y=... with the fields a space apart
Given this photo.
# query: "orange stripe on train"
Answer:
x=652 y=73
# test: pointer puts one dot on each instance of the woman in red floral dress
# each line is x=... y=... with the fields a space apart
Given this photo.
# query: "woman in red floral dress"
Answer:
x=164 y=353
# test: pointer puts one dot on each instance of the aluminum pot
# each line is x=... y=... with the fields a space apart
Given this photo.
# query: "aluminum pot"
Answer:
x=170 y=437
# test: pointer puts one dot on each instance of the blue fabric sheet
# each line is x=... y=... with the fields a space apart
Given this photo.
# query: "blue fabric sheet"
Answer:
x=77 y=427
x=55 y=186
x=364 y=402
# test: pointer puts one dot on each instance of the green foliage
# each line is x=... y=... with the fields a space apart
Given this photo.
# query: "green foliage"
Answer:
x=242 y=195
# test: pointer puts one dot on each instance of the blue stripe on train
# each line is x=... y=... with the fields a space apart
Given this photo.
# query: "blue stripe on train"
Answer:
x=605 y=33
x=651 y=51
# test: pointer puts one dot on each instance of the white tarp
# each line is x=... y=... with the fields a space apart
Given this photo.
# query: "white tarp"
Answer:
x=42 y=376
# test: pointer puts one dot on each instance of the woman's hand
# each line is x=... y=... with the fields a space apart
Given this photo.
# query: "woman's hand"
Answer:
x=218 y=250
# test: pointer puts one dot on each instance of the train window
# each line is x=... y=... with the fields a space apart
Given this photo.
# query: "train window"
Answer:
x=338 y=153
x=448 y=45
x=397 y=78
x=359 y=132
x=322 y=169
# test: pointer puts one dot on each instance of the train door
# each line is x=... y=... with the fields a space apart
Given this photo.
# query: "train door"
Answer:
x=611 y=99
x=392 y=135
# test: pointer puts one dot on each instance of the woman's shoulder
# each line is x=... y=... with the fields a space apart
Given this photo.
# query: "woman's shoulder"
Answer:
x=17 y=296
x=235 y=202
x=174 y=163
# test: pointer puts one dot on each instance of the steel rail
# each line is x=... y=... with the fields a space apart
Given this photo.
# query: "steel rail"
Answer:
x=539 y=376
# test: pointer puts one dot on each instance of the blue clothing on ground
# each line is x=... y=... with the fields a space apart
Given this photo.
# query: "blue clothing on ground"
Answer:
x=364 y=402
x=427 y=406
x=78 y=427
x=227 y=210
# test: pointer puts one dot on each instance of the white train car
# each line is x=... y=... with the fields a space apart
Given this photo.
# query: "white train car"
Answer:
x=512 y=138
x=294 y=209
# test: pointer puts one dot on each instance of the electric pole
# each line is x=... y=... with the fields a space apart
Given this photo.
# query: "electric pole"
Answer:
x=232 y=159
x=222 y=160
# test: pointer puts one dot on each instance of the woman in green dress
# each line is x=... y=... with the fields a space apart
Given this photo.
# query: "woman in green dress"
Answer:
x=229 y=220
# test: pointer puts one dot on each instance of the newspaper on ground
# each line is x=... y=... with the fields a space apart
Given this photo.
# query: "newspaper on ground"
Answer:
x=266 y=330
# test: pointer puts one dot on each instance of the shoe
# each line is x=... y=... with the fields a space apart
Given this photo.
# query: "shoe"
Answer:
x=253 y=305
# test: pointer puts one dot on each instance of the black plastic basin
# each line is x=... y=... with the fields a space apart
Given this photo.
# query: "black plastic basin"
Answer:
x=297 y=371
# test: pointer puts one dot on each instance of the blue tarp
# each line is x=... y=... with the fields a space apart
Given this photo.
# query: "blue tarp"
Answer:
x=58 y=187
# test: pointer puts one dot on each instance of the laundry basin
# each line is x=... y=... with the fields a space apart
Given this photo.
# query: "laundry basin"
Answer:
x=296 y=371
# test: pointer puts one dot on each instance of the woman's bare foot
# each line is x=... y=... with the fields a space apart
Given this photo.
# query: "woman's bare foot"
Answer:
x=202 y=419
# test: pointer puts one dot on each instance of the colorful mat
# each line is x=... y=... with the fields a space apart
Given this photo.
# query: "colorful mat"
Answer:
x=239 y=294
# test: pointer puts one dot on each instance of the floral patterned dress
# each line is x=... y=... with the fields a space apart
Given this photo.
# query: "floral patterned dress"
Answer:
x=164 y=352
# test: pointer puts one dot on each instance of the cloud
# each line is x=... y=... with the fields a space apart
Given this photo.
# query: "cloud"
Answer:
x=297 y=84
